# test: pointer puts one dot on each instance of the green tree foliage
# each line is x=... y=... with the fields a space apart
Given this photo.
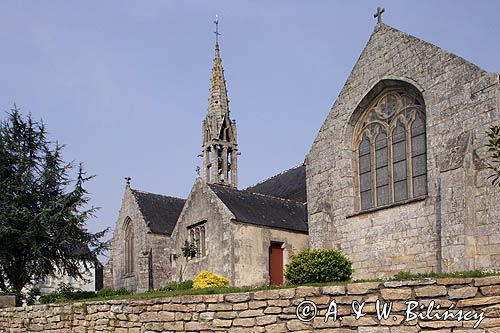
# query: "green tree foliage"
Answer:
x=318 y=266
x=189 y=249
x=42 y=209
x=494 y=149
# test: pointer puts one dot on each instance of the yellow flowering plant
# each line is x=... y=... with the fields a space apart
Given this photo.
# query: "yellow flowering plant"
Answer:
x=206 y=279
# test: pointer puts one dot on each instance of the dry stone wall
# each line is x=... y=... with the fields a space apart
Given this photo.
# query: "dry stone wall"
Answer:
x=275 y=310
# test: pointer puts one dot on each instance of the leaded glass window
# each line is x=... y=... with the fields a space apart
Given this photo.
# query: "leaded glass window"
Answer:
x=390 y=147
x=129 y=246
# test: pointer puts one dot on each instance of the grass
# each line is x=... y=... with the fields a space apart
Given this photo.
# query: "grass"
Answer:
x=469 y=274
x=230 y=290
x=173 y=293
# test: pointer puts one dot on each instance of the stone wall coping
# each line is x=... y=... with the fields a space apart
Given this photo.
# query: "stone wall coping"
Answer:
x=274 y=310
x=352 y=288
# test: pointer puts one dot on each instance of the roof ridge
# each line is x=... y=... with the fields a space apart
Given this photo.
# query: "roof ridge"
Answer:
x=162 y=195
x=276 y=175
x=260 y=194
x=270 y=196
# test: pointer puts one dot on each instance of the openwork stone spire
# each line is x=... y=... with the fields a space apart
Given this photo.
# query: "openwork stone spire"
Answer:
x=218 y=104
x=219 y=131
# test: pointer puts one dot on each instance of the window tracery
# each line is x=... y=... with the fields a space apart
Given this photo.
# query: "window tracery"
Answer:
x=390 y=149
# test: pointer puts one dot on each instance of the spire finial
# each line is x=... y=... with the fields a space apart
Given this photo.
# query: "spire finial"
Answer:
x=127 y=181
x=216 y=32
x=378 y=14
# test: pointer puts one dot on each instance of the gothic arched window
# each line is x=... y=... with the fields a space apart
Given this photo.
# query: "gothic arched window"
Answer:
x=128 y=252
x=390 y=145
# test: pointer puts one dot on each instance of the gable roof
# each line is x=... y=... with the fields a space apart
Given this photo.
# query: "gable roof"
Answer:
x=290 y=184
x=263 y=210
x=160 y=211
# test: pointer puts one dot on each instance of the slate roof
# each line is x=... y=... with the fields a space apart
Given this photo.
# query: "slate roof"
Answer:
x=160 y=211
x=263 y=210
x=290 y=184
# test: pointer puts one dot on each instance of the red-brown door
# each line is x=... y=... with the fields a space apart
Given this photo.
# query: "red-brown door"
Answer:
x=275 y=264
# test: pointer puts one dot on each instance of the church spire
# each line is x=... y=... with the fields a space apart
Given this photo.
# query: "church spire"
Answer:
x=219 y=131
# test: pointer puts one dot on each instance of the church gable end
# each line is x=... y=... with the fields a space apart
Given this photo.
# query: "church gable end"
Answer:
x=364 y=169
x=140 y=241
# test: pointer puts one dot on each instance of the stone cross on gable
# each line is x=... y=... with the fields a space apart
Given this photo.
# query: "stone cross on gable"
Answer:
x=378 y=14
x=127 y=181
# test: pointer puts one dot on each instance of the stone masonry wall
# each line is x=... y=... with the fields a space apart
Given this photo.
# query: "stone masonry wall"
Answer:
x=151 y=266
x=203 y=205
x=457 y=226
x=273 y=310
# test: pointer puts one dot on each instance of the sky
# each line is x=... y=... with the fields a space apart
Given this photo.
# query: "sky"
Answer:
x=124 y=84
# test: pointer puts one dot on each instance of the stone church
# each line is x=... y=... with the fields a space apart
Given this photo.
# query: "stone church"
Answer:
x=396 y=179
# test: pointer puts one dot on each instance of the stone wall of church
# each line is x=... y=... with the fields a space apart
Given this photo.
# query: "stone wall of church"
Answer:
x=145 y=245
x=161 y=260
x=251 y=251
x=456 y=226
x=203 y=206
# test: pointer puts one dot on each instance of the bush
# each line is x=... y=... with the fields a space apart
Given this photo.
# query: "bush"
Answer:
x=209 y=280
x=108 y=292
x=184 y=285
x=318 y=266
x=33 y=295
x=64 y=293
x=51 y=298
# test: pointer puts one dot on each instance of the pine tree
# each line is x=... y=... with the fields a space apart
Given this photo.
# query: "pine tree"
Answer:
x=42 y=209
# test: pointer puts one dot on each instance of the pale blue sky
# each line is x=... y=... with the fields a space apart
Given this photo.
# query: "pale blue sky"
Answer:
x=124 y=84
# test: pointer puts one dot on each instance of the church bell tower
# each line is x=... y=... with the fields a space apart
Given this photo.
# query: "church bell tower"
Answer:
x=219 y=131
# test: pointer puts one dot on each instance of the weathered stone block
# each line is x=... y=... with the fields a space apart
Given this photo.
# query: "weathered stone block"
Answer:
x=266 y=294
x=257 y=304
x=222 y=323
x=486 y=281
x=333 y=290
x=266 y=320
x=491 y=290
x=226 y=314
x=391 y=294
x=251 y=313
x=272 y=310
x=431 y=291
x=237 y=298
x=296 y=325
x=464 y=292
x=479 y=301
x=166 y=316
x=246 y=322
x=307 y=292
x=448 y=281
x=362 y=288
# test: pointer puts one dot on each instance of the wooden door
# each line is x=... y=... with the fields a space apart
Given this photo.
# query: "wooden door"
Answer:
x=275 y=264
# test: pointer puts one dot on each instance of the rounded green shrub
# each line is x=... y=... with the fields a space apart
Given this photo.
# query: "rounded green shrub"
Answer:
x=318 y=266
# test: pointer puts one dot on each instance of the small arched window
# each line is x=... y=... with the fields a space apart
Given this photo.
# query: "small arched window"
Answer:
x=390 y=145
x=129 y=246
